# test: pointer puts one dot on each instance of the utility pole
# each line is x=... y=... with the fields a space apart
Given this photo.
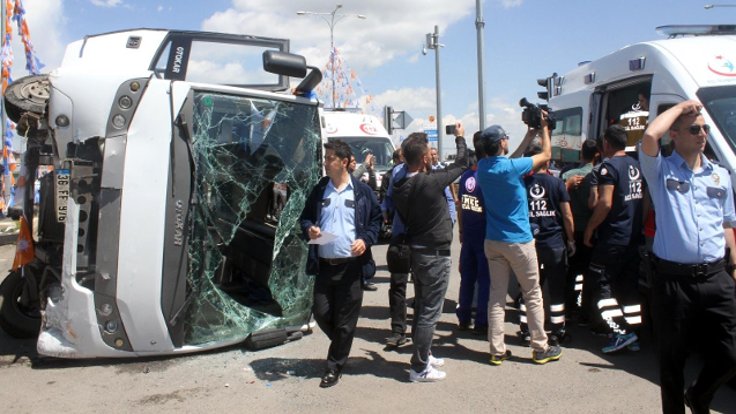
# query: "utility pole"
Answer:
x=433 y=43
x=479 y=25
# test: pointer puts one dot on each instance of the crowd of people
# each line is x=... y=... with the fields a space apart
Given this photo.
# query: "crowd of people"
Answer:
x=571 y=244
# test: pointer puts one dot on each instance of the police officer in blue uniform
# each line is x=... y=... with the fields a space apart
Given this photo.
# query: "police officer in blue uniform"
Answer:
x=473 y=263
x=617 y=219
x=693 y=288
x=341 y=206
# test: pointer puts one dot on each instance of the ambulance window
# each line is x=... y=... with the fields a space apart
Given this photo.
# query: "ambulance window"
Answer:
x=623 y=107
x=567 y=135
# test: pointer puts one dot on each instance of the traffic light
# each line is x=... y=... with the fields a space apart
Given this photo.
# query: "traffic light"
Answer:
x=550 y=85
x=546 y=83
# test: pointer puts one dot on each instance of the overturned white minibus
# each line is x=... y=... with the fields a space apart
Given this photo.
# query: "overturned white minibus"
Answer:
x=159 y=227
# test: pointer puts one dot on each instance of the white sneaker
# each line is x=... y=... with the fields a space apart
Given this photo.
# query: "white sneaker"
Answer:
x=430 y=374
x=436 y=362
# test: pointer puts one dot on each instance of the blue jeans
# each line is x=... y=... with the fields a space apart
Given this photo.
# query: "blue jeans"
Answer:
x=431 y=274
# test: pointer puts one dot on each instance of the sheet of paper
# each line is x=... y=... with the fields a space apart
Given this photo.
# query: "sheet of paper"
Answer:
x=324 y=238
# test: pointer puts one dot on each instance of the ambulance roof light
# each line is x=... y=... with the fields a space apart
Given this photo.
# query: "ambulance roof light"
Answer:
x=672 y=31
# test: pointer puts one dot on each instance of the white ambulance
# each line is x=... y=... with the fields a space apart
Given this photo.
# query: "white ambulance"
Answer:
x=633 y=85
x=365 y=134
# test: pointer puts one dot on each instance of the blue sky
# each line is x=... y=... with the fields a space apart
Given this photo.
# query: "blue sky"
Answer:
x=524 y=40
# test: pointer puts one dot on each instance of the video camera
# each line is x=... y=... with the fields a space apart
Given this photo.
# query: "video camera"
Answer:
x=532 y=115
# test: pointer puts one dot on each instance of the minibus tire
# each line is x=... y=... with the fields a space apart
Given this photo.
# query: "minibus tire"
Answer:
x=14 y=319
x=27 y=94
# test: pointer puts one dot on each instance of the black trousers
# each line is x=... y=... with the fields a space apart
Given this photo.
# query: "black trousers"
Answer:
x=338 y=297
x=552 y=276
x=618 y=296
x=694 y=312
x=398 y=260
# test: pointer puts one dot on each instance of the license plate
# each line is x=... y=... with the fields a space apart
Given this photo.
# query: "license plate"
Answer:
x=62 y=193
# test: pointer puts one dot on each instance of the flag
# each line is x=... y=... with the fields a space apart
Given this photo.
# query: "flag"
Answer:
x=24 y=252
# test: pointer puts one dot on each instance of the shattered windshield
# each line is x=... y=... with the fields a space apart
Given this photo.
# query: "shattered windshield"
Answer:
x=255 y=162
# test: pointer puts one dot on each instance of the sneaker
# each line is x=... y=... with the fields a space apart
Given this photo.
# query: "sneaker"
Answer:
x=396 y=340
x=436 y=362
x=498 y=359
x=463 y=326
x=430 y=374
x=553 y=353
x=634 y=346
x=619 y=342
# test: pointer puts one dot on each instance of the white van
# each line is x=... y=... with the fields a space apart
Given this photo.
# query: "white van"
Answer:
x=696 y=61
x=365 y=134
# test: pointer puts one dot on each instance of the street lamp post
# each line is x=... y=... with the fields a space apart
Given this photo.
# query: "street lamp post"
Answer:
x=331 y=18
x=479 y=24
x=711 y=6
x=433 y=43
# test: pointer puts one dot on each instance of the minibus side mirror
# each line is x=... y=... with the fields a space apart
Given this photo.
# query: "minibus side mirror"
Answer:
x=283 y=63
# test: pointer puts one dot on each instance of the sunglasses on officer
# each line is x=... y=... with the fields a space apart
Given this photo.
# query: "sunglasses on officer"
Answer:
x=694 y=129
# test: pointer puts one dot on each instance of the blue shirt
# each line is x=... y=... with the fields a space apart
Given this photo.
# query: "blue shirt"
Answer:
x=691 y=208
x=397 y=226
x=502 y=182
x=471 y=208
x=338 y=217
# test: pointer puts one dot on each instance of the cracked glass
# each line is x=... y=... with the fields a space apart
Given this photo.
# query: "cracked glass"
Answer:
x=256 y=160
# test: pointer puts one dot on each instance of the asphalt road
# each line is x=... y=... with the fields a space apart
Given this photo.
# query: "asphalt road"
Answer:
x=286 y=378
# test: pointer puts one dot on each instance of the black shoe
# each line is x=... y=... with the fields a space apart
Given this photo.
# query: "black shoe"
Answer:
x=330 y=378
x=463 y=326
x=370 y=286
x=697 y=407
x=524 y=337
x=556 y=338
x=396 y=340
x=480 y=330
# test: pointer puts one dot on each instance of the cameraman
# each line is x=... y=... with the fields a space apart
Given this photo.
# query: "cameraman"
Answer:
x=509 y=243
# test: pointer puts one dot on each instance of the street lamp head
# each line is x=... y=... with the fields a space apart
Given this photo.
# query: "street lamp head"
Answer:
x=339 y=6
x=301 y=12
x=708 y=6
x=362 y=16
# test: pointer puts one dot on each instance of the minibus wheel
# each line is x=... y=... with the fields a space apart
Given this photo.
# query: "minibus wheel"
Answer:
x=25 y=104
